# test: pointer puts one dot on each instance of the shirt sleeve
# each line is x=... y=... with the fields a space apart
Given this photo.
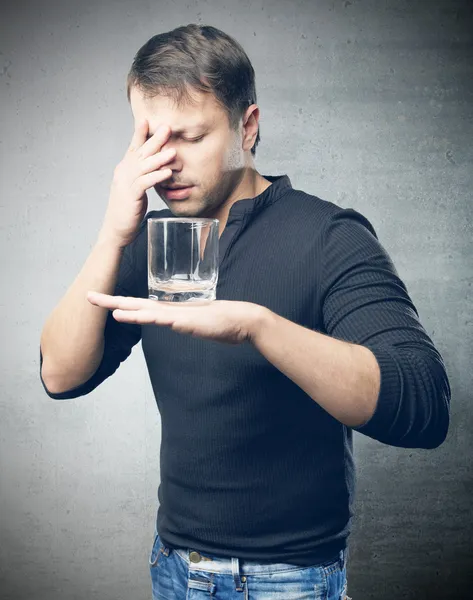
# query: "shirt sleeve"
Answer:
x=119 y=337
x=365 y=302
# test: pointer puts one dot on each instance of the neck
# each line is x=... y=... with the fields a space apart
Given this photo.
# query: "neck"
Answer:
x=252 y=184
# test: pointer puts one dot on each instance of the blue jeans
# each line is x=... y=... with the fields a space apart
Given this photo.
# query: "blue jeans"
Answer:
x=175 y=576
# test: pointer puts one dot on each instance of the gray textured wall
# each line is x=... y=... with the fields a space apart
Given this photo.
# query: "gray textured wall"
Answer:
x=365 y=103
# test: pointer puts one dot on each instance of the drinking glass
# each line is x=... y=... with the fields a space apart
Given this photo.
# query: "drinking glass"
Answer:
x=182 y=259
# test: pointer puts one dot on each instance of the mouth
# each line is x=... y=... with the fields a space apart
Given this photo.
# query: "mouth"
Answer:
x=175 y=187
x=177 y=192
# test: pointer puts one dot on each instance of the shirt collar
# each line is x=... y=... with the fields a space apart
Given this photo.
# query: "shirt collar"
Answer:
x=279 y=185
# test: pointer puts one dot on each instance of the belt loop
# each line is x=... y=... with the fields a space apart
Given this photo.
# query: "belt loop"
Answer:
x=236 y=574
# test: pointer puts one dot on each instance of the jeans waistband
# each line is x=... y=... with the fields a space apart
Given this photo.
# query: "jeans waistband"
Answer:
x=246 y=567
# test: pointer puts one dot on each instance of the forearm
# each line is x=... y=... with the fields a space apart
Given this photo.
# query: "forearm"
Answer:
x=343 y=378
x=72 y=337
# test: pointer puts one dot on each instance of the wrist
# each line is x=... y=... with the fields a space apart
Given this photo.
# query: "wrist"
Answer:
x=106 y=238
x=262 y=319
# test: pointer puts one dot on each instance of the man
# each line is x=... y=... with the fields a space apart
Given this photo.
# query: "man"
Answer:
x=312 y=335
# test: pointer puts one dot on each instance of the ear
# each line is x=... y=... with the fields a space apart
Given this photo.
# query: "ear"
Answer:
x=250 y=126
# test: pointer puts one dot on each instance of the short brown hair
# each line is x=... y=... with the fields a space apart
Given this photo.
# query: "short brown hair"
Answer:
x=201 y=57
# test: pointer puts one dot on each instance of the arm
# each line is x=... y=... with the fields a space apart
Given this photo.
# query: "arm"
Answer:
x=347 y=378
x=376 y=369
x=82 y=344
x=73 y=343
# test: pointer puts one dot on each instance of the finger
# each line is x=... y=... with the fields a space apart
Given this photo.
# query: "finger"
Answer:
x=143 y=317
x=122 y=302
x=155 y=162
x=96 y=298
x=139 y=135
x=156 y=141
x=101 y=299
x=150 y=179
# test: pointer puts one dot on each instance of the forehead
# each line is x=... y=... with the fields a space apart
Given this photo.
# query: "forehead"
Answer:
x=204 y=111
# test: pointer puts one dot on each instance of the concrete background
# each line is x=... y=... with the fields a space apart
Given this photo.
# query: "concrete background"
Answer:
x=368 y=104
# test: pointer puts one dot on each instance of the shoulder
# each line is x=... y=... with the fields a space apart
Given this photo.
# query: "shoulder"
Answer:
x=322 y=215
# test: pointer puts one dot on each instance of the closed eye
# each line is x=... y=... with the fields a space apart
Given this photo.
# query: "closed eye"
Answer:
x=195 y=140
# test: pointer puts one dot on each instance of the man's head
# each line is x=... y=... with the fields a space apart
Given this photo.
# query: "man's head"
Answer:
x=199 y=82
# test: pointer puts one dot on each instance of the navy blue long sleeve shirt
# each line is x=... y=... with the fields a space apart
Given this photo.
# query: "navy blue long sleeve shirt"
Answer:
x=251 y=466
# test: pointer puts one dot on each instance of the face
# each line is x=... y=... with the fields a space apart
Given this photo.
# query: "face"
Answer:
x=210 y=155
